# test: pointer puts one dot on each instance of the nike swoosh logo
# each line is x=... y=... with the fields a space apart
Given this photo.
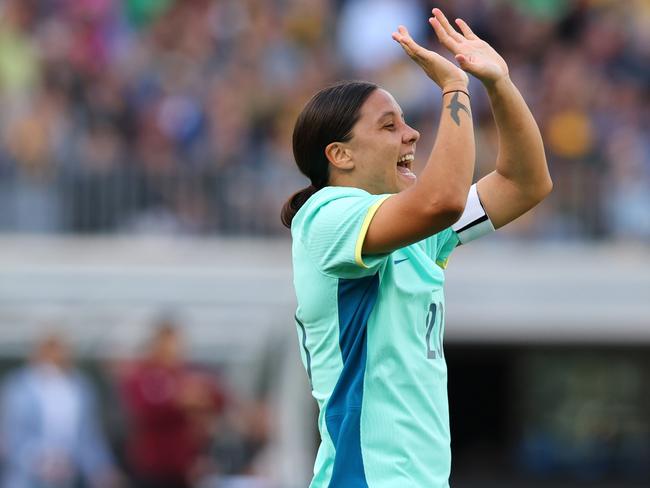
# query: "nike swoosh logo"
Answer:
x=397 y=261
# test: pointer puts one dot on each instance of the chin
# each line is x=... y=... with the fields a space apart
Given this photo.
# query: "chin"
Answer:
x=403 y=184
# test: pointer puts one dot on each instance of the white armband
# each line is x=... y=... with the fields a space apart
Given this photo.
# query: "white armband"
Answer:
x=474 y=222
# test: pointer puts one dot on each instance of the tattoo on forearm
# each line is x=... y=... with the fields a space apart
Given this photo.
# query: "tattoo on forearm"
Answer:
x=455 y=106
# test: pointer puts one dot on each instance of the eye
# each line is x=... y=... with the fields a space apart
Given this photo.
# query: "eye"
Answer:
x=389 y=126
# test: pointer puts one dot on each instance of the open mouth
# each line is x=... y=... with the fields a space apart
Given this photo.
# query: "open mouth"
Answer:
x=404 y=165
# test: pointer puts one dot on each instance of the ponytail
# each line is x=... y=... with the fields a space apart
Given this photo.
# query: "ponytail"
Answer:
x=297 y=200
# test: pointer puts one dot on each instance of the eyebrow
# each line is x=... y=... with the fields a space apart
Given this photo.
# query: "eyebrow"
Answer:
x=390 y=112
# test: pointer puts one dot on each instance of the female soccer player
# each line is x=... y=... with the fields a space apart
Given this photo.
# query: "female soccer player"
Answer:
x=370 y=241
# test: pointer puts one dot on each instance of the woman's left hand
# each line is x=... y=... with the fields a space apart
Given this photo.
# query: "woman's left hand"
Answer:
x=474 y=55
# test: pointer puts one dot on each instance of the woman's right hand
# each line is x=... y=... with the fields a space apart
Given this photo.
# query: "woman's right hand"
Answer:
x=443 y=72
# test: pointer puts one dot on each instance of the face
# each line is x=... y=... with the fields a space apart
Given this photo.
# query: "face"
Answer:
x=54 y=351
x=167 y=347
x=382 y=147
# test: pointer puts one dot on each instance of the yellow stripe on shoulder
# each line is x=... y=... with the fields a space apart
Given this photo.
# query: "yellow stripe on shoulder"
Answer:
x=364 y=230
x=442 y=264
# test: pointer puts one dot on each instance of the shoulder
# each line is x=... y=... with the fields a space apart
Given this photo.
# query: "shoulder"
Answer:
x=330 y=205
x=328 y=195
x=23 y=374
x=330 y=228
x=17 y=384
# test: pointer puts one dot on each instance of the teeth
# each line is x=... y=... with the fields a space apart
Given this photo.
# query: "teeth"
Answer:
x=406 y=157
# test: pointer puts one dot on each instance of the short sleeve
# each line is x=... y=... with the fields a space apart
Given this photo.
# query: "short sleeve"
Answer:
x=446 y=242
x=332 y=226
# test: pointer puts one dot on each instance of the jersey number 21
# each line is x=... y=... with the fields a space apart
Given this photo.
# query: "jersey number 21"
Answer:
x=434 y=335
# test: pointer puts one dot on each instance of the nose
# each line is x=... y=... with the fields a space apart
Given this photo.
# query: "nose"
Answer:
x=411 y=136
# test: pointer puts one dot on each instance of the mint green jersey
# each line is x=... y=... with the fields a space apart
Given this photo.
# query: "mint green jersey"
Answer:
x=371 y=330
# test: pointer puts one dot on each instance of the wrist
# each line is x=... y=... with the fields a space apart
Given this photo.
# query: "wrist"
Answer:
x=455 y=86
x=456 y=91
x=499 y=84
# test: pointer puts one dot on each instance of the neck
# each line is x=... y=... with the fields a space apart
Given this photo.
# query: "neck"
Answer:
x=349 y=181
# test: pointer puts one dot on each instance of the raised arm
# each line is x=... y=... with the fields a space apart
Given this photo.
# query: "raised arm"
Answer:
x=521 y=179
x=438 y=197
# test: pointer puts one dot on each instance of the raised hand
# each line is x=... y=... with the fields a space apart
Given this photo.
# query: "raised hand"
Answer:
x=473 y=54
x=442 y=71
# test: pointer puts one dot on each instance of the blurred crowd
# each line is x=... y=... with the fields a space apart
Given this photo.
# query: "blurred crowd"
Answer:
x=175 y=116
x=154 y=421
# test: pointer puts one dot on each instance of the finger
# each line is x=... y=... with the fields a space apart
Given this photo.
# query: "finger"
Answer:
x=411 y=47
x=453 y=33
x=405 y=47
x=400 y=35
x=402 y=42
x=464 y=28
x=466 y=63
x=463 y=61
x=442 y=35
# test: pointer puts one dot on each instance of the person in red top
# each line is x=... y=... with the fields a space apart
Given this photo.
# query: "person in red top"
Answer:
x=171 y=409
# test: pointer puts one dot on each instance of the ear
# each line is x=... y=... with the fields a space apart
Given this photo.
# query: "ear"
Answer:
x=339 y=155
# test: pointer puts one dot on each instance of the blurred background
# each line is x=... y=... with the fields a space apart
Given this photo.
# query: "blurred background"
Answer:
x=146 y=301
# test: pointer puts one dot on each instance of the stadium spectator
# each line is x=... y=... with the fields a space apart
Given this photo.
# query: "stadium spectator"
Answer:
x=51 y=435
x=167 y=116
x=171 y=408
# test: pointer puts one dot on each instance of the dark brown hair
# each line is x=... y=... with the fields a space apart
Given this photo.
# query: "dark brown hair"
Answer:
x=328 y=117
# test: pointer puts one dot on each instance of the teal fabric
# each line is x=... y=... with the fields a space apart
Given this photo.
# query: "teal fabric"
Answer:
x=397 y=409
